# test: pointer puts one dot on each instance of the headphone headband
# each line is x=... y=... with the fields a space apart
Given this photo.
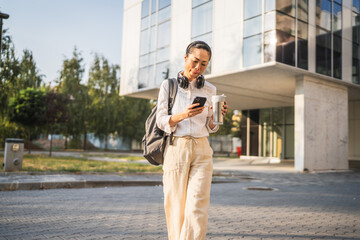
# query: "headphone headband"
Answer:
x=184 y=81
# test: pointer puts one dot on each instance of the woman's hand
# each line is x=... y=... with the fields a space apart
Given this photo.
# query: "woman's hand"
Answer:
x=189 y=112
x=224 y=109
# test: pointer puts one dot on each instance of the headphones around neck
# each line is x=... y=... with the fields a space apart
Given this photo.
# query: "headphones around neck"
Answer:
x=184 y=81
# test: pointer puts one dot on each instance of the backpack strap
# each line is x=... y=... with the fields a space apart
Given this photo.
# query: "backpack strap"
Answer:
x=173 y=87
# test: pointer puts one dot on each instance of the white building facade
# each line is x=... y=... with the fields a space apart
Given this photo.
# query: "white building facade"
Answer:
x=291 y=66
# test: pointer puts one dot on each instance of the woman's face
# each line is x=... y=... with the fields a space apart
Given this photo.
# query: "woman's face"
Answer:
x=196 y=63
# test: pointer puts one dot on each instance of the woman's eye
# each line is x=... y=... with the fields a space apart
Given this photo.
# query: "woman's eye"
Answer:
x=203 y=65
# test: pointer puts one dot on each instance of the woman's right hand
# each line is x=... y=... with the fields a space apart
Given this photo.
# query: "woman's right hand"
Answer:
x=191 y=111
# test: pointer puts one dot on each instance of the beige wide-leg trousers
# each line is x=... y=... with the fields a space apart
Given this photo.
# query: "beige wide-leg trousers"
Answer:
x=187 y=177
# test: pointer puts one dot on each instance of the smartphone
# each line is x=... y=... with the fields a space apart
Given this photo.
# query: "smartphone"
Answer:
x=200 y=100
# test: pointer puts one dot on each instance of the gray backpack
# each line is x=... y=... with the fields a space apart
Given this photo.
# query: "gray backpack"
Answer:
x=154 y=140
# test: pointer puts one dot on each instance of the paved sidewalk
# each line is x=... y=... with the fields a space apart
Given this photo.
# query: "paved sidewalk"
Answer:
x=261 y=205
x=223 y=172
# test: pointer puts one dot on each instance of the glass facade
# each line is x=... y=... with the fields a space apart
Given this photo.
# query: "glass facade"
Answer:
x=356 y=42
x=201 y=23
x=329 y=37
x=154 y=42
x=276 y=32
x=268 y=132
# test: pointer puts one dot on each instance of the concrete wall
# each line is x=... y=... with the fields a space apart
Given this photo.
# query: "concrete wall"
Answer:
x=354 y=130
x=321 y=125
x=130 y=46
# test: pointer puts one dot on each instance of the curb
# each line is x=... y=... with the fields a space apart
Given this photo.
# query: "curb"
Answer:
x=14 y=186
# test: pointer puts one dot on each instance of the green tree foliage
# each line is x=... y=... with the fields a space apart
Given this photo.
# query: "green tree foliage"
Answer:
x=28 y=109
x=56 y=113
x=15 y=75
x=112 y=114
x=103 y=89
x=9 y=71
x=29 y=75
x=70 y=85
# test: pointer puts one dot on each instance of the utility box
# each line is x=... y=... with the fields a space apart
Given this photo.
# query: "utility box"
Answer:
x=13 y=157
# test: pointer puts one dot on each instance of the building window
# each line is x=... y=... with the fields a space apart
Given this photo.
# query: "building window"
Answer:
x=356 y=42
x=252 y=45
x=329 y=37
x=285 y=32
x=201 y=23
x=154 y=42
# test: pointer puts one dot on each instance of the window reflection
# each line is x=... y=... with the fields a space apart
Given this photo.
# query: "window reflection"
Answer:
x=201 y=19
x=252 y=26
x=269 y=5
x=196 y=3
x=269 y=21
x=164 y=14
x=252 y=8
x=162 y=72
x=252 y=50
x=302 y=10
x=153 y=6
x=337 y=56
x=164 y=3
x=269 y=46
x=302 y=45
x=323 y=14
x=144 y=42
x=285 y=48
x=285 y=23
x=163 y=55
x=337 y=17
x=323 y=52
x=356 y=42
x=163 y=37
x=356 y=6
x=286 y=6
x=143 y=77
x=201 y=24
x=144 y=8
x=154 y=41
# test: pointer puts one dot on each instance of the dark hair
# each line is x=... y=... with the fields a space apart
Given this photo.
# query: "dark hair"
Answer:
x=198 y=44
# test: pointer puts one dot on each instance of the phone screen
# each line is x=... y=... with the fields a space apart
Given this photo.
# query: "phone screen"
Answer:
x=200 y=100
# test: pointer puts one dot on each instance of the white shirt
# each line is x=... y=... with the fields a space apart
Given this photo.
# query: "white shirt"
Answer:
x=197 y=126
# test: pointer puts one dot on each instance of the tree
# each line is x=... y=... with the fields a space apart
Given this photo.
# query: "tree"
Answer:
x=28 y=109
x=9 y=71
x=103 y=87
x=56 y=112
x=70 y=85
x=29 y=75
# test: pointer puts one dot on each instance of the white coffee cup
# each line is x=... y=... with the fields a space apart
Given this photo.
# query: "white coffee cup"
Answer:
x=217 y=103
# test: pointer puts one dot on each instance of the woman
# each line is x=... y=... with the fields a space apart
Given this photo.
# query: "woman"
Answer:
x=188 y=161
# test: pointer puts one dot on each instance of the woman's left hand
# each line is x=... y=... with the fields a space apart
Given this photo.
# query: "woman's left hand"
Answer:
x=224 y=109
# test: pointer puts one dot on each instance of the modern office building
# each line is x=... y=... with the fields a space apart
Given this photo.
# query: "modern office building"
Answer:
x=291 y=66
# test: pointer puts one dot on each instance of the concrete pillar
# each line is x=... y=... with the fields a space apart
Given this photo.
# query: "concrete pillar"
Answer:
x=354 y=130
x=321 y=125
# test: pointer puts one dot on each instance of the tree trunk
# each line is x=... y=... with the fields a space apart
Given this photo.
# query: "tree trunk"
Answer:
x=50 y=143
x=65 y=145
x=106 y=142
x=85 y=140
x=29 y=133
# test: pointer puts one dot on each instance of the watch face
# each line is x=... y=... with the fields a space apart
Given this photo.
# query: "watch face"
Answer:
x=15 y=147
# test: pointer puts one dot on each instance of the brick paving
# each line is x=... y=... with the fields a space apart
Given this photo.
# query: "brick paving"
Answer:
x=301 y=206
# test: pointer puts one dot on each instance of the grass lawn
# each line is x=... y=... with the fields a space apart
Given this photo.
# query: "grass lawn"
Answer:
x=44 y=163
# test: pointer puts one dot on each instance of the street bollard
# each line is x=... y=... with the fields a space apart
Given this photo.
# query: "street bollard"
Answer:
x=13 y=157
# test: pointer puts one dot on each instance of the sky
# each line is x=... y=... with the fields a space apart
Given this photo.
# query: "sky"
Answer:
x=51 y=29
